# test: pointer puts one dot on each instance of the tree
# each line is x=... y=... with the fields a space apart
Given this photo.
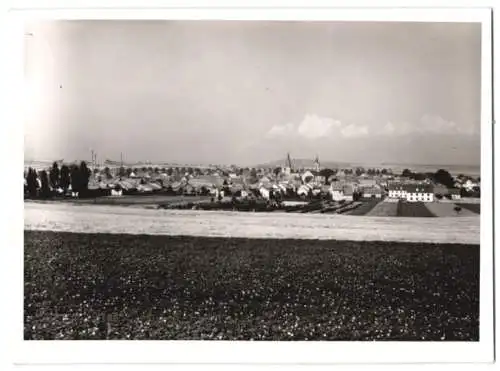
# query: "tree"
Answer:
x=54 y=175
x=128 y=172
x=107 y=172
x=359 y=171
x=439 y=196
x=84 y=176
x=31 y=179
x=156 y=170
x=383 y=171
x=44 y=180
x=443 y=177
x=144 y=169
x=65 y=180
x=407 y=173
x=170 y=171
x=75 y=178
x=253 y=173
x=327 y=173
x=122 y=171
x=419 y=176
x=277 y=171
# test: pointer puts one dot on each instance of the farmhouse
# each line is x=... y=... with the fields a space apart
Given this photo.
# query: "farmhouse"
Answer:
x=117 y=191
x=419 y=193
x=264 y=192
x=454 y=193
x=341 y=192
x=373 y=191
x=397 y=190
x=304 y=189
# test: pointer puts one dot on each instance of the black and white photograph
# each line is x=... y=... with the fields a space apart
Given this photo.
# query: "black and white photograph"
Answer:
x=254 y=180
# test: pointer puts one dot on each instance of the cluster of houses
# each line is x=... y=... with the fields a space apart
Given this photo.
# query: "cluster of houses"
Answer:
x=269 y=183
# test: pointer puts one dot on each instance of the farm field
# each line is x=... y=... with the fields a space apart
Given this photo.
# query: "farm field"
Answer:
x=447 y=210
x=137 y=200
x=414 y=209
x=384 y=208
x=365 y=207
x=104 y=286
x=118 y=219
x=474 y=208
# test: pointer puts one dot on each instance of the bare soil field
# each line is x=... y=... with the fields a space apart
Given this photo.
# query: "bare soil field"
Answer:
x=366 y=207
x=118 y=219
x=104 y=286
x=414 y=209
x=384 y=208
x=447 y=210
x=474 y=208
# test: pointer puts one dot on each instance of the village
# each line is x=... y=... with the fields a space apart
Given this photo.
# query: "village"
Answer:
x=348 y=191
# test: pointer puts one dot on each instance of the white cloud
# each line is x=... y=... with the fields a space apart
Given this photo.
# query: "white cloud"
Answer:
x=428 y=124
x=314 y=127
x=280 y=131
x=401 y=128
x=354 y=131
x=436 y=124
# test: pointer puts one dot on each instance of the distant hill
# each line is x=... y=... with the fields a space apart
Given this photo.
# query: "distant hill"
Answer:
x=309 y=163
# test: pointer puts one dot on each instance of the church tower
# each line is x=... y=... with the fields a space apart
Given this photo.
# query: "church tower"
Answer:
x=316 y=163
x=288 y=164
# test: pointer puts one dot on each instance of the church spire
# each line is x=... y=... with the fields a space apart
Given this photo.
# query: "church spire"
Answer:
x=316 y=163
x=289 y=161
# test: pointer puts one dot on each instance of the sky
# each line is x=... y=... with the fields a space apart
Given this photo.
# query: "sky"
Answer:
x=248 y=92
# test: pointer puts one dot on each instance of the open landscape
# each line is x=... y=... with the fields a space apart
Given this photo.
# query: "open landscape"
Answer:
x=256 y=180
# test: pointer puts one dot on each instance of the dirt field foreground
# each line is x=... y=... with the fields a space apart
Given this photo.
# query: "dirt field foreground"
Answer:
x=110 y=286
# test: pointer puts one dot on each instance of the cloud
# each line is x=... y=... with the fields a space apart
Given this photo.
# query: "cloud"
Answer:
x=391 y=129
x=436 y=124
x=428 y=124
x=314 y=127
x=354 y=131
x=439 y=125
x=280 y=131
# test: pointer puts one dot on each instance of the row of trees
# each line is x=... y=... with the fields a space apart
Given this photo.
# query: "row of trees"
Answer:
x=43 y=184
x=441 y=176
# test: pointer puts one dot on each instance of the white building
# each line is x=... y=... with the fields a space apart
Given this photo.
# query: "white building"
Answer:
x=116 y=192
x=419 y=193
x=341 y=192
x=397 y=190
x=455 y=194
x=304 y=189
x=264 y=192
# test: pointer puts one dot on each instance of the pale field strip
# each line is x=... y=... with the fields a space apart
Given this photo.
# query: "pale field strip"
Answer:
x=461 y=201
x=117 y=219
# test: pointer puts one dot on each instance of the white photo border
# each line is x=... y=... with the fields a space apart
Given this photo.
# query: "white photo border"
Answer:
x=227 y=352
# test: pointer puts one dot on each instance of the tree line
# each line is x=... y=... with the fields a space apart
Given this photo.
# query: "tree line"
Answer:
x=43 y=184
